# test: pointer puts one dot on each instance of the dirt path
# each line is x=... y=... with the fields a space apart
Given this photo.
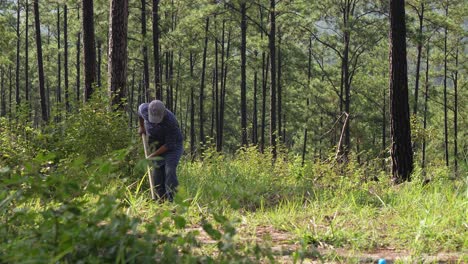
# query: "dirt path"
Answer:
x=284 y=246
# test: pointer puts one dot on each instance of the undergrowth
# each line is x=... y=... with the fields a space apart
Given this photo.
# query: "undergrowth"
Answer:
x=77 y=191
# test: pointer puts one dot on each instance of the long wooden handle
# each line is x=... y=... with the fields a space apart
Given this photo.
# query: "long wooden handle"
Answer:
x=144 y=138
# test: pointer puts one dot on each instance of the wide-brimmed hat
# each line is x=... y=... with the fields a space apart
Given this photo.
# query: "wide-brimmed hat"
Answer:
x=156 y=111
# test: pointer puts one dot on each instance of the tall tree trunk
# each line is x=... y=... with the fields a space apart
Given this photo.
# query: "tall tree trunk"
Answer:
x=255 y=111
x=243 y=50
x=130 y=100
x=99 y=61
x=117 y=76
x=418 y=62
x=280 y=92
x=265 y=67
x=202 y=85
x=219 y=101
x=10 y=92
x=59 y=68
x=426 y=99
x=146 y=79
x=65 y=62
x=213 y=99
x=192 y=108
x=26 y=58
x=384 y=130
x=18 y=37
x=402 y=154
x=309 y=76
x=223 y=95
x=78 y=64
x=347 y=85
x=40 y=66
x=2 y=93
x=445 y=93
x=272 y=46
x=156 y=57
x=89 y=49
x=455 y=113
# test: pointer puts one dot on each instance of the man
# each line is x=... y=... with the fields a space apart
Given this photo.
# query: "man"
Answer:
x=164 y=133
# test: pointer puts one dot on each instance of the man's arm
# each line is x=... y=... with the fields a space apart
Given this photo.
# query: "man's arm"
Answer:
x=141 y=128
x=163 y=149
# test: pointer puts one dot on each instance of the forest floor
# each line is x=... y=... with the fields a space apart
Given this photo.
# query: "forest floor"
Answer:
x=284 y=245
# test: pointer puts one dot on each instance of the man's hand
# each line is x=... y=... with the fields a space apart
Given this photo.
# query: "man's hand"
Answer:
x=141 y=131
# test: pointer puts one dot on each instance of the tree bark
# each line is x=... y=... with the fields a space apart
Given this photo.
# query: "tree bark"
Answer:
x=272 y=47
x=445 y=93
x=17 y=83
x=192 y=108
x=117 y=75
x=145 y=51
x=88 y=48
x=426 y=99
x=402 y=154
x=78 y=64
x=26 y=57
x=243 y=51
x=309 y=76
x=156 y=57
x=418 y=61
x=202 y=85
x=223 y=95
x=65 y=62
x=280 y=92
x=40 y=66
x=2 y=93
x=99 y=60
x=455 y=113
x=58 y=93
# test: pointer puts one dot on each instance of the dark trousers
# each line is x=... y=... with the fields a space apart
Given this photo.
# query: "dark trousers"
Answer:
x=165 y=181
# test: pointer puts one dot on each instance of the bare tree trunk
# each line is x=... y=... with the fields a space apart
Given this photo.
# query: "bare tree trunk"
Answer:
x=418 y=62
x=145 y=51
x=445 y=93
x=99 y=60
x=10 y=92
x=265 y=67
x=65 y=39
x=40 y=66
x=2 y=93
x=384 y=130
x=58 y=92
x=202 y=85
x=309 y=76
x=18 y=37
x=26 y=63
x=78 y=64
x=192 y=108
x=426 y=99
x=255 y=111
x=223 y=95
x=280 y=92
x=402 y=153
x=118 y=52
x=88 y=48
x=272 y=46
x=455 y=113
x=156 y=57
x=219 y=104
x=243 y=50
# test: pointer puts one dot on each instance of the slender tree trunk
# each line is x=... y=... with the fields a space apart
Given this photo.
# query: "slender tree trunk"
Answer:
x=156 y=57
x=223 y=95
x=192 y=108
x=426 y=99
x=2 y=93
x=65 y=62
x=202 y=85
x=266 y=66
x=280 y=92
x=418 y=62
x=272 y=46
x=255 y=111
x=402 y=154
x=40 y=66
x=89 y=49
x=26 y=63
x=213 y=99
x=309 y=76
x=117 y=75
x=347 y=86
x=18 y=37
x=384 y=130
x=218 y=118
x=145 y=51
x=445 y=93
x=78 y=64
x=130 y=100
x=59 y=69
x=99 y=61
x=10 y=92
x=455 y=113
x=243 y=50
